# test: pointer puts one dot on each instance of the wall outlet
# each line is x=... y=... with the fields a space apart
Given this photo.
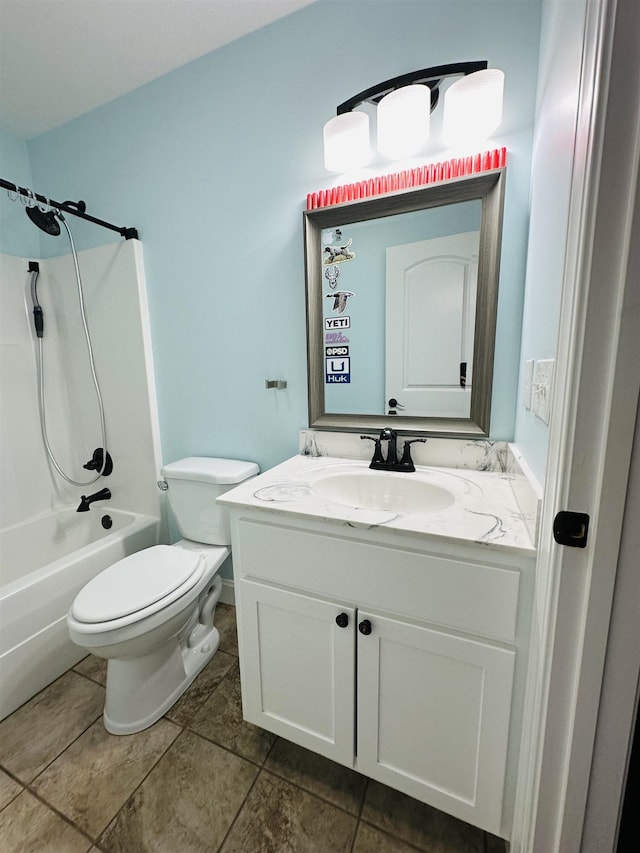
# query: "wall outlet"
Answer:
x=527 y=382
x=542 y=388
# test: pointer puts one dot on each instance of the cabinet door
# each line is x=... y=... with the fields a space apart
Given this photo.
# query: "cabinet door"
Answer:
x=433 y=717
x=298 y=669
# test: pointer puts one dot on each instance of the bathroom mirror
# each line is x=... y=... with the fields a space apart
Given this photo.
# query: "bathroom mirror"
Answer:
x=402 y=294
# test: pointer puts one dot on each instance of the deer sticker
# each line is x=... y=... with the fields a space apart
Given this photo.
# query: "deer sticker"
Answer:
x=332 y=276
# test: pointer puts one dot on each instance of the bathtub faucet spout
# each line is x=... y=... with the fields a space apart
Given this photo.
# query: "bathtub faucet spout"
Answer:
x=87 y=500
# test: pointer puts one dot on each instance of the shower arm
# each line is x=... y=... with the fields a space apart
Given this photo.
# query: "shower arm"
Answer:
x=75 y=208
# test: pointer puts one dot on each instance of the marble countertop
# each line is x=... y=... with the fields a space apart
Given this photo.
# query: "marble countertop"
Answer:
x=484 y=510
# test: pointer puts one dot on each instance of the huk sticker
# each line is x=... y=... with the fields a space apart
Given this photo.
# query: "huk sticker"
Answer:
x=340 y=299
x=337 y=371
x=338 y=254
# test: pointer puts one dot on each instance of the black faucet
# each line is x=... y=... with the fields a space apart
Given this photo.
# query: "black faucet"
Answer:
x=87 y=500
x=391 y=463
x=391 y=436
x=406 y=463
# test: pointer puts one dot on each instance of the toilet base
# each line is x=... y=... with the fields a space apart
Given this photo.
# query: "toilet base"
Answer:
x=140 y=690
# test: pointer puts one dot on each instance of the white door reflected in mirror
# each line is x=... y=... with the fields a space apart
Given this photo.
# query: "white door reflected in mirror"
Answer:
x=431 y=290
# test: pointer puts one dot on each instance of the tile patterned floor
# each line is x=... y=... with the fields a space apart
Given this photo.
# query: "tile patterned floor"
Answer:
x=199 y=780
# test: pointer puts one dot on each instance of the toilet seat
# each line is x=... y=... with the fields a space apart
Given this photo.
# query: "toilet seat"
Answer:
x=138 y=586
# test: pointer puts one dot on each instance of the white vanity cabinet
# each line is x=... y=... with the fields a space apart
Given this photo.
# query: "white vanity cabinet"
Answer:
x=433 y=716
x=298 y=668
x=385 y=654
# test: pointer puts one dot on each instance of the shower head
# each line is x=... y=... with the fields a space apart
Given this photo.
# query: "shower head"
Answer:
x=45 y=220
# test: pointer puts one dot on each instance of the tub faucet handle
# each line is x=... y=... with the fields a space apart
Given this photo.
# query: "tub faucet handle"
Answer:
x=95 y=463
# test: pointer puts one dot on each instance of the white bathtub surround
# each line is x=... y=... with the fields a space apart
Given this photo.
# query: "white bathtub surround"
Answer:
x=474 y=454
x=35 y=598
x=117 y=314
x=484 y=511
x=31 y=492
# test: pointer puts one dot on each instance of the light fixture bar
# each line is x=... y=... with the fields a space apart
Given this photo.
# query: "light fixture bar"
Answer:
x=432 y=77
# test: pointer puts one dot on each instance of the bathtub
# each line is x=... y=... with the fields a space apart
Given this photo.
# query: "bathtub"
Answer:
x=34 y=598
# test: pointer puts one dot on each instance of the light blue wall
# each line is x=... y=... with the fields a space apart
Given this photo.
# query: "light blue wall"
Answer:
x=212 y=164
x=18 y=237
x=552 y=172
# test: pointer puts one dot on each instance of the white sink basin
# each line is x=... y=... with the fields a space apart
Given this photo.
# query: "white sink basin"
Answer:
x=382 y=490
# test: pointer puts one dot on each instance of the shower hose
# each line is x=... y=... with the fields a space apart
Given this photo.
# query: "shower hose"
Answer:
x=40 y=370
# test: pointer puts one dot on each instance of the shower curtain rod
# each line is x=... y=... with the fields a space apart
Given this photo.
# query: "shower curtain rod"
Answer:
x=76 y=208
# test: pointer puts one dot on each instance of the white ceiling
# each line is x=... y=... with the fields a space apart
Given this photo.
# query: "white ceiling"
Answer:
x=61 y=58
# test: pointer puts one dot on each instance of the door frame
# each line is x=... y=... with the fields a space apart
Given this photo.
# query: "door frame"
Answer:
x=590 y=443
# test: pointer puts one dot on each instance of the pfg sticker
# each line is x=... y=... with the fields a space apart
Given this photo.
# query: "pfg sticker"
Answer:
x=335 y=338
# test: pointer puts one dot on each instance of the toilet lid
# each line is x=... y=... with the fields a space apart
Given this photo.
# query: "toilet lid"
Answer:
x=156 y=575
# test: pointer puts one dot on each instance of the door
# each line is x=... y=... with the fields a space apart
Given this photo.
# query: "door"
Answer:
x=590 y=440
x=431 y=284
x=298 y=669
x=433 y=717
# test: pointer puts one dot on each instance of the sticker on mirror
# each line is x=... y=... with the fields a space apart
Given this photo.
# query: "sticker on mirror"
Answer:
x=337 y=370
x=336 y=338
x=337 y=323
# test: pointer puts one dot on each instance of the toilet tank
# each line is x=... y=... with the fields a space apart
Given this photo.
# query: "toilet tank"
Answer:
x=193 y=486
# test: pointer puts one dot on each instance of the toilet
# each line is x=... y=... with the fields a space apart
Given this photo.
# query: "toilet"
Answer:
x=151 y=614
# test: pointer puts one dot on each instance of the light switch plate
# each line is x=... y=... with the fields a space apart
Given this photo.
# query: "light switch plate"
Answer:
x=527 y=382
x=542 y=390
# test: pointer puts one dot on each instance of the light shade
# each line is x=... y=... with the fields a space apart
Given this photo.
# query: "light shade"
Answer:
x=346 y=142
x=403 y=121
x=473 y=106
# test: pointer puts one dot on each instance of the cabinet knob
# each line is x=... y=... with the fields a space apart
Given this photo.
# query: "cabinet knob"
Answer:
x=365 y=627
x=342 y=620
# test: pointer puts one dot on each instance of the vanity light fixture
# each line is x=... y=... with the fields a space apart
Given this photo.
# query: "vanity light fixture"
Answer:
x=404 y=118
x=346 y=142
x=472 y=110
x=473 y=107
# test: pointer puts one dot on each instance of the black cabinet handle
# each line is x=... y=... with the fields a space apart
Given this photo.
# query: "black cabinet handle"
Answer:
x=342 y=620
x=365 y=627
